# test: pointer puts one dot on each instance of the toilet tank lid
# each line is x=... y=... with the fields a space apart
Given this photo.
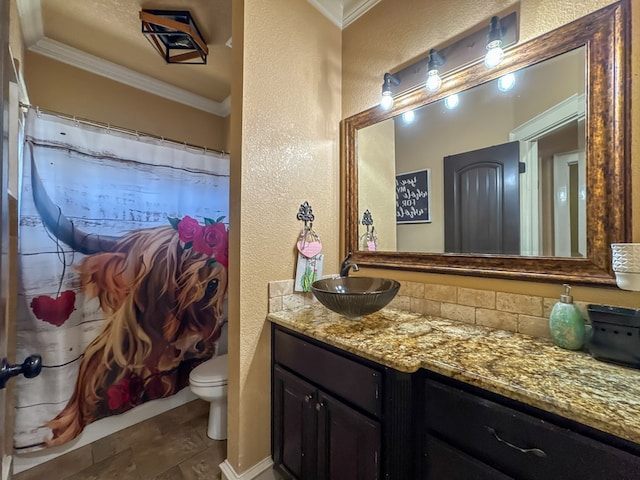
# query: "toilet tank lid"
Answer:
x=213 y=369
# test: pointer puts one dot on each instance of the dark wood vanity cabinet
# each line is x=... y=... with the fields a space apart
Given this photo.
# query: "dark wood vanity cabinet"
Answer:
x=334 y=416
x=471 y=434
x=337 y=416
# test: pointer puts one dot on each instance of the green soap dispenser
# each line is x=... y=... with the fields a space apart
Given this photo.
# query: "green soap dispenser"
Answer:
x=566 y=322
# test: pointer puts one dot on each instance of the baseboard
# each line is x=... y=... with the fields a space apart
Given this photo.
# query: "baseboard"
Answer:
x=260 y=471
x=102 y=428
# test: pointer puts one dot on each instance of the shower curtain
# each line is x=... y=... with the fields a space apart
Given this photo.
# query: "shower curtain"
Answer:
x=122 y=272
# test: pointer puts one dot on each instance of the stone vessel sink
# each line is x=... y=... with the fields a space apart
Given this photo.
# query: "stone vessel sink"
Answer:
x=354 y=297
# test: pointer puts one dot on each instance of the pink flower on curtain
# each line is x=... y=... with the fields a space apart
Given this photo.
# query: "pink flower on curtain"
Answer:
x=211 y=240
x=189 y=229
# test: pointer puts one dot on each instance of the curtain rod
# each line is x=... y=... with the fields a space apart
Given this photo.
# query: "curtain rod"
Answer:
x=127 y=131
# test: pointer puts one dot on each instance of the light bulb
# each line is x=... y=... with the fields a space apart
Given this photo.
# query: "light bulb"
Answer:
x=452 y=101
x=387 y=101
x=433 y=81
x=506 y=82
x=494 y=55
x=408 y=117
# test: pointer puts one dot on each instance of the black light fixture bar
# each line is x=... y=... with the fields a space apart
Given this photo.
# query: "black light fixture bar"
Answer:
x=457 y=55
x=175 y=36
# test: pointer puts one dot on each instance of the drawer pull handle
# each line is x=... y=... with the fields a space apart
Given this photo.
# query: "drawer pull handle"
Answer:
x=535 y=451
x=308 y=398
x=319 y=406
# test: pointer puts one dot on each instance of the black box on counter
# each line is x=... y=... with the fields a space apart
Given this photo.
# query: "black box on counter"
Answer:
x=615 y=334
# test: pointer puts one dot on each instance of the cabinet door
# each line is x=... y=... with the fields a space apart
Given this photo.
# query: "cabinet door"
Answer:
x=348 y=442
x=294 y=425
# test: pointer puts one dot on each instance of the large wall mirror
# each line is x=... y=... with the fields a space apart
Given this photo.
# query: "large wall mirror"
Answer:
x=520 y=171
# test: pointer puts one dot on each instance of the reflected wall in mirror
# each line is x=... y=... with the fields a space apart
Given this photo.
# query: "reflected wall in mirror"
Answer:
x=528 y=182
x=532 y=203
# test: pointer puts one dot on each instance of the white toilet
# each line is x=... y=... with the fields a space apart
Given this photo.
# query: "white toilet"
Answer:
x=209 y=382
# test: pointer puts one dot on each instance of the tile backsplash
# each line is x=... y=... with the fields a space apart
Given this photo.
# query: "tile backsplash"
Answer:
x=528 y=314
x=282 y=296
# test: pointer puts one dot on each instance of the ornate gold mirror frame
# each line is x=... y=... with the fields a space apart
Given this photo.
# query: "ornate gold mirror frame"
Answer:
x=605 y=34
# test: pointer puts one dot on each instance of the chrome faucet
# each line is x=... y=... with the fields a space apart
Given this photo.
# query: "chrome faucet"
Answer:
x=346 y=265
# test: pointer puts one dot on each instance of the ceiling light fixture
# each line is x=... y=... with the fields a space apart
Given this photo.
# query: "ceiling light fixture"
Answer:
x=174 y=35
x=386 y=102
x=495 y=54
x=433 y=78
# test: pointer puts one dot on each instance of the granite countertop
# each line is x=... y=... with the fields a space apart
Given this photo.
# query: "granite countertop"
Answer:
x=531 y=370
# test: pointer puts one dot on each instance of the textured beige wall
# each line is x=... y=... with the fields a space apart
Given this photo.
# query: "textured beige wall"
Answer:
x=376 y=183
x=285 y=150
x=396 y=31
x=59 y=87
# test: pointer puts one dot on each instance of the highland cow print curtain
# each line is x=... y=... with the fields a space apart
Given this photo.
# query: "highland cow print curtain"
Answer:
x=122 y=272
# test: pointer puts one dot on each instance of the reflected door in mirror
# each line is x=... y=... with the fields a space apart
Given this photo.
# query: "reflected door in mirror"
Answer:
x=482 y=202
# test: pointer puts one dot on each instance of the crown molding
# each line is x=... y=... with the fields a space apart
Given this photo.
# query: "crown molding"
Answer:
x=331 y=9
x=342 y=13
x=30 y=13
x=77 y=58
x=355 y=11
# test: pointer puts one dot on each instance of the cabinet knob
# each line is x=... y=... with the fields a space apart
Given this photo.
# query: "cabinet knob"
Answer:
x=319 y=406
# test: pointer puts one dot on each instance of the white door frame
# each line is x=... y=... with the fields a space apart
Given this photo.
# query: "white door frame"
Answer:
x=562 y=203
x=571 y=109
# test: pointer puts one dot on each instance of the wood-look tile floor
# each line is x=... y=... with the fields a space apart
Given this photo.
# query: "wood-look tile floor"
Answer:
x=170 y=446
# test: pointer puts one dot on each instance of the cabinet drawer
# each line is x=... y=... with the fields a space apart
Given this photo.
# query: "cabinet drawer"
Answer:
x=350 y=380
x=443 y=461
x=518 y=444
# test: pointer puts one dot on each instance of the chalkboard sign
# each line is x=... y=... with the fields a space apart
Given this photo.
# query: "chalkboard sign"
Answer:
x=412 y=197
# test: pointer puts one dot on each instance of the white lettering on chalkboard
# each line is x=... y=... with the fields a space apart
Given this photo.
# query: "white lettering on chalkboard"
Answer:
x=412 y=197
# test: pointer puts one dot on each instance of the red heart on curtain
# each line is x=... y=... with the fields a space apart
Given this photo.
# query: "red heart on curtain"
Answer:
x=55 y=311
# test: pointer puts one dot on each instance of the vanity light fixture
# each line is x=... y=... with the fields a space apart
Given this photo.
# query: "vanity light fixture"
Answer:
x=387 y=97
x=433 y=78
x=408 y=117
x=494 y=54
x=175 y=36
x=452 y=101
x=506 y=82
x=469 y=49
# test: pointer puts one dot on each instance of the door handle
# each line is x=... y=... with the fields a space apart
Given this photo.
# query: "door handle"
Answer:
x=30 y=368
